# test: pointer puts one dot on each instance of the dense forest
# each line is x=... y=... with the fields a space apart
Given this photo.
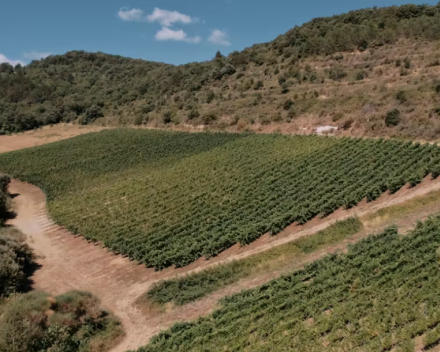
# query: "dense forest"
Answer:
x=282 y=78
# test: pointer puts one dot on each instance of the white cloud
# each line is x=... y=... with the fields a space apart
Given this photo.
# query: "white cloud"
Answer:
x=33 y=55
x=167 y=18
x=219 y=37
x=131 y=15
x=180 y=36
x=4 y=59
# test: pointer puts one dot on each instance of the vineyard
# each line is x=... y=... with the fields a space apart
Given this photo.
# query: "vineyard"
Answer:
x=379 y=296
x=169 y=198
x=189 y=288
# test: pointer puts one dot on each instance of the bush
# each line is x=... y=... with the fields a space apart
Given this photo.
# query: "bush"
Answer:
x=288 y=104
x=209 y=117
x=404 y=72
x=4 y=181
x=139 y=120
x=210 y=96
x=259 y=84
x=193 y=114
x=337 y=73
x=167 y=117
x=292 y=112
x=282 y=80
x=360 y=75
x=16 y=261
x=392 y=118
x=91 y=114
x=437 y=88
x=401 y=97
x=74 y=321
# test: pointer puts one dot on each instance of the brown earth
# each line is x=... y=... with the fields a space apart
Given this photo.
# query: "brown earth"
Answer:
x=45 y=135
x=71 y=262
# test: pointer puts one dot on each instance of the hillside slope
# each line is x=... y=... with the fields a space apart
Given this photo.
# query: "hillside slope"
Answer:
x=379 y=296
x=170 y=198
x=371 y=72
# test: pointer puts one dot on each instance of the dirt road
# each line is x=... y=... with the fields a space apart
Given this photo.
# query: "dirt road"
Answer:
x=46 y=134
x=70 y=262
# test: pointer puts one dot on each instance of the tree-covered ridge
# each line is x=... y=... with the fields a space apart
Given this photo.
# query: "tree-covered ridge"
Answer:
x=83 y=87
x=359 y=30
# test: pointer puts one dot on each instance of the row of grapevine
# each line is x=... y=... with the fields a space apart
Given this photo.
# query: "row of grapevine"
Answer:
x=168 y=199
x=378 y=297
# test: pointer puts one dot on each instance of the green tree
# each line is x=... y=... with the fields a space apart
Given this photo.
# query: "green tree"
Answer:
x=92 y=113
x=392 y=118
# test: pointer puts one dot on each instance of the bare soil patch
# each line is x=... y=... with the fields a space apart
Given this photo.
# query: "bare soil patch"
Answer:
x=71 y=262
x=45 y=135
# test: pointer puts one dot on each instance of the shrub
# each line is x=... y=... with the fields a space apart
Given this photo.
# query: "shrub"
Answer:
x=404 y=72
x=91 y=114
x=276 y=117
x=193 y=114
x=337 y=73
x=437 y=88
x=288 y=104
x=347 y=123
x=259 y=84
x=74 y=321
x=167 y=117
x=209 y=117
x=407 y=63
x=401 y=96
x=210 y=96
x=227 y=70
x=292 y=112
x=4 y=181
x=392 y=118
x=16 y=261
x=360 y=75
x=282 y=80
x=139 y=120
x=284 y=88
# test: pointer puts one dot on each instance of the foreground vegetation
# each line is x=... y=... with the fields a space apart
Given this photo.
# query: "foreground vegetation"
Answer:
x=36 y=321
x=349 y=71
x=186 y=289
x=381 y=294
x=71 y=322
x=169 y=198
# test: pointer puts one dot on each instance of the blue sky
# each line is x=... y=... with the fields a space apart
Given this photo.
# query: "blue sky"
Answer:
x=172 y=31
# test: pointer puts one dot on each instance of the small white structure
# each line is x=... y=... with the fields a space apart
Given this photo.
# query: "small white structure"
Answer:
x=325 y=129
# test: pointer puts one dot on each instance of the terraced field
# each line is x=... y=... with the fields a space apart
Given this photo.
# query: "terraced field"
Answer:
x=168 y=198
x=380 y=296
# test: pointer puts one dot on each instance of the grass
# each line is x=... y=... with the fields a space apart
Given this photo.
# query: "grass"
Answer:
x=192 y=287
x=400 y=210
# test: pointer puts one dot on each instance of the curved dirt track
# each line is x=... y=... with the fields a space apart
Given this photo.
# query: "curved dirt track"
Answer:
x=70 y=262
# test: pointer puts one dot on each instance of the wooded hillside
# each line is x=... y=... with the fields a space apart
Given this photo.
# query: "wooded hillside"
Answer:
x=371 y=72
